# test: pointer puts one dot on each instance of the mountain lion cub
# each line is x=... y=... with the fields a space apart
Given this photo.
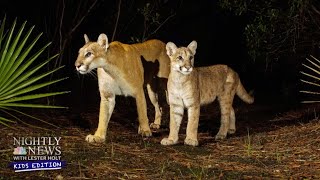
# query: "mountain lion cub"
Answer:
x=121 y=71
x=190 y=87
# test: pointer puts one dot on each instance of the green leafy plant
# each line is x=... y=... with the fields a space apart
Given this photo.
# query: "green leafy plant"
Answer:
x=19 y=75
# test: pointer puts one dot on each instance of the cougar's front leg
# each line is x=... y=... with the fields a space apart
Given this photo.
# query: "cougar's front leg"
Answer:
x=106 y=108
x=144 y=128
x=154 y=100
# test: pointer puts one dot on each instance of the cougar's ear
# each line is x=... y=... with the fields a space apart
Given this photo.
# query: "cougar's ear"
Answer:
x=103 y=41
x=86 y=38
x=193 y=47
x=171 y=48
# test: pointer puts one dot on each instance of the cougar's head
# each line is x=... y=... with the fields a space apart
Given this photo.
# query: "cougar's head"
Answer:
x=91 y=55
x=182 y=58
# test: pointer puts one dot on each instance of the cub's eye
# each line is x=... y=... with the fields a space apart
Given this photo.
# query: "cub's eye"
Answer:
x=180 y=58
x=191 y=57
x=88 y=54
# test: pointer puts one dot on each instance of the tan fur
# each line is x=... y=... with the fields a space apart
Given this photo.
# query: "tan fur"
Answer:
x=121 y=72
x=190 y=87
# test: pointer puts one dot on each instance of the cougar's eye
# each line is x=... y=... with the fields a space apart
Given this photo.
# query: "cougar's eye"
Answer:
x=191 y=57
x=88 y=54
x=180 y=58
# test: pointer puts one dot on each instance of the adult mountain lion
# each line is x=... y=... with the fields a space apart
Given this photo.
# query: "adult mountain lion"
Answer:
x=124 y=69
x=190 y=87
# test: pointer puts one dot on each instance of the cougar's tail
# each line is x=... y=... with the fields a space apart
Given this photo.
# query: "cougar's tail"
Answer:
x=243 y=94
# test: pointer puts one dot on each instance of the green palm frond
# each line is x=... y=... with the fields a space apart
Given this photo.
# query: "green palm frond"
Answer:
x=19 y=75
x=313 y=77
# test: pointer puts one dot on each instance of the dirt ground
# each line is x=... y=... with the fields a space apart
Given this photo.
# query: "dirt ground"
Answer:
x=268 y=144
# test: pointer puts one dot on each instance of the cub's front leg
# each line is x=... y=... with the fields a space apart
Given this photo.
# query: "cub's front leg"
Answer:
x=106 y=108
x=192 y=126
x=176 y=114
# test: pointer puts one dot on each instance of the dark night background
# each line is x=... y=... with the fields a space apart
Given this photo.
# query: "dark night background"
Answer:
x=220 y=37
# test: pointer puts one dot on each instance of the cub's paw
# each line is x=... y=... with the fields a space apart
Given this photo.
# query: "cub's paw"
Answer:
x=191 y=142
x=167 y=142
x=231 y=131
x=220 y=137
x=94 y=139
x=154 y=126
x=146 y=132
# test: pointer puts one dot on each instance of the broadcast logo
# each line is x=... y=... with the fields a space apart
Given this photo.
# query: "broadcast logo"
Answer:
x=36 y=153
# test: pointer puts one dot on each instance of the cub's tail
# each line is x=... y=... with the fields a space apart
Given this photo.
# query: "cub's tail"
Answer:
x=243 y=94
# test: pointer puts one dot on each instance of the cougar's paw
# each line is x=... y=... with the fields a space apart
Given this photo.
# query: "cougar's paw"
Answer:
x=154 y=126
x=167 y=142
x=145 y=132
x=220 y=137
x=231 y=131
x=94 y=139
x=191 y=142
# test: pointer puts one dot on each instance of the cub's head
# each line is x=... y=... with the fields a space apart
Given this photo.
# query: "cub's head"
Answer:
x=91 y=54
x=182 y=58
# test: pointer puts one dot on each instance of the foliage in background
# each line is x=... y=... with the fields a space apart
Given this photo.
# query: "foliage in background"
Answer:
x=152 y=19
x=278 y=28
x=125 y=21
x=20 y=77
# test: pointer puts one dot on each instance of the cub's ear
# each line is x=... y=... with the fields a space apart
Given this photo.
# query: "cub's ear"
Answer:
x=103 y=41
x=171 y=48
x=193 y=47
x=86 y=38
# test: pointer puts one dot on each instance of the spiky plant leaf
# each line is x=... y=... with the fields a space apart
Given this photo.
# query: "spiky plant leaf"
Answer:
x=3 y=60
x=28 y=105
x=2 y=30
x=19 y=74
x=18 y=59
x=12 y=53
x=33 y=96
x=16 y=74
x=26 y=115
x=313 y=78
x=10 y=83
x=25 y=86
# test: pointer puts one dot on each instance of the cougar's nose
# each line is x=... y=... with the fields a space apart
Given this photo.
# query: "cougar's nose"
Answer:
x=78 y=65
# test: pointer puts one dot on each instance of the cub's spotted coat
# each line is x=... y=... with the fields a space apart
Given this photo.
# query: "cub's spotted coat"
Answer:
x=190 y=87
